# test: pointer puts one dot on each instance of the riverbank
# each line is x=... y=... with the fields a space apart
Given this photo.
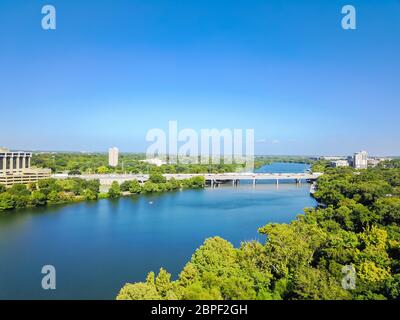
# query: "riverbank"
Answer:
x=98 y=246
x=51 y=191
x=71 y=189
x=357 y=234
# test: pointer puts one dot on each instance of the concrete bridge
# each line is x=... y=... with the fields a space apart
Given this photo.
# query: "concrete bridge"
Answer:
x=211 y=178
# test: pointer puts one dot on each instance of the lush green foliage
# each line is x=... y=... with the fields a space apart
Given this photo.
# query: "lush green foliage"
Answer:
x=357 y=226
x=48 y=191
x=77 y=163
x=320 y=166
x=52 y=191
x=158 y=183
x=114 y=191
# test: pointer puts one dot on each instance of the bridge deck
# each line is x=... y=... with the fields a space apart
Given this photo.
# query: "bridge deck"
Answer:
x=106 y=179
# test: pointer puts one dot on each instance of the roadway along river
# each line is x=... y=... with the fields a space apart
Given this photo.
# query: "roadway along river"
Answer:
x=98 y=246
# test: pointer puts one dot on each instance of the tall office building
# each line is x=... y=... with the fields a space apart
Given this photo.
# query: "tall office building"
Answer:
x=14 y=162
x=360 y=160
x=113 y=157
x=15 y=167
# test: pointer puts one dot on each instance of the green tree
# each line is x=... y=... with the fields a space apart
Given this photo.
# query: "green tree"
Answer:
x=88 y=194
x=93 y=185
x=135 y=187
x=48 y=185
x=19 y=190
x=139 y=291
x=314 y=284
x=157 y=178
x=54 y=197
x=149 y=187
x=392 y=287
x=38 y=198
x=2 y=188
x=389 y=209
x=21 y=201
x=102 y=170
x=290 y=247
x=194 y=182
x=163 y=283
x=7 y=201
x=74 y=172
x=125 y=186
x=114 y=191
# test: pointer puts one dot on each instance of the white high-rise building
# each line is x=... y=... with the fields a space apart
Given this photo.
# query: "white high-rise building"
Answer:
x=360 y=160
x=113 y=157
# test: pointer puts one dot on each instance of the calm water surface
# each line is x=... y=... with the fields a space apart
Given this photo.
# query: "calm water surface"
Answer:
x=98 y=246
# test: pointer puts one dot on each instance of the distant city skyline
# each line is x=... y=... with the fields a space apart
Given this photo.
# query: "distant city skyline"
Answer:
x=111 y=154
x=113 y=71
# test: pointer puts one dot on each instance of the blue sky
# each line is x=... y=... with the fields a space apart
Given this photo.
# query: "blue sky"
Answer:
x=112 y=70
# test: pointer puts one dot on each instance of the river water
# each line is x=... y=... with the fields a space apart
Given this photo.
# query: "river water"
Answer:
x=96 y=247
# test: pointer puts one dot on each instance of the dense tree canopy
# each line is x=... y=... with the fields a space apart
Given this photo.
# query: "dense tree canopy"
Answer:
x=77 y=163
x=53 y=191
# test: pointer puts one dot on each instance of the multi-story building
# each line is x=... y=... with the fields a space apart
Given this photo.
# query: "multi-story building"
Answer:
x=156 y=161
x=330 y=158
x=360 y=160
x=350 y=160
x=373 y=162
x=15 y=167
x=113 y=157
x=340 y=163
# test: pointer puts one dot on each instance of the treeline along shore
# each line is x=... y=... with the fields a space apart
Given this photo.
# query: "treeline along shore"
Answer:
x=74 y=189
x=52 y=191
x=348 y=249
